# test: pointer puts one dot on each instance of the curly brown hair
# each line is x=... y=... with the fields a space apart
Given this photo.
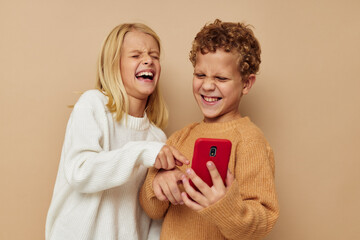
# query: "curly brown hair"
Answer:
x=231 y=37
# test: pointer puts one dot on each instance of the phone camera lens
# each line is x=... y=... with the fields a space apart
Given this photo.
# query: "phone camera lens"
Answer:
x=213 y=151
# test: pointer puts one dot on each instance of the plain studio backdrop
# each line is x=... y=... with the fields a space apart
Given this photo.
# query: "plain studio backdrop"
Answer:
x=305 y=98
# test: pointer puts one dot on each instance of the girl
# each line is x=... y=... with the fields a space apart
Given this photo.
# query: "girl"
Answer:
x=113 y=136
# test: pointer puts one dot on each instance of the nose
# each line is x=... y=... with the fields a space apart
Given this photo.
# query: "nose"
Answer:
x=147 y=60
x=208 y=84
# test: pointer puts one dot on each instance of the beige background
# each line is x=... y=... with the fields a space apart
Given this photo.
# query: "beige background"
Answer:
x=305 y=99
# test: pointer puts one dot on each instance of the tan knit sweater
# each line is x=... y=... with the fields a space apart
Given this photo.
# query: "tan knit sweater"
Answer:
x=249 y=209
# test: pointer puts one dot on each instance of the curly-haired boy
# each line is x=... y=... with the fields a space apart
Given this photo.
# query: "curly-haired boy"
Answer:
x=226 y=57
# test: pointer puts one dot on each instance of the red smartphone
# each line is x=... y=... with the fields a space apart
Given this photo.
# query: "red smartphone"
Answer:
x=210 y=149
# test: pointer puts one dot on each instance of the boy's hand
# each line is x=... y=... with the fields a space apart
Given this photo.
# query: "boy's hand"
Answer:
x=165 y=186
x=168 y=157
x=207 y=195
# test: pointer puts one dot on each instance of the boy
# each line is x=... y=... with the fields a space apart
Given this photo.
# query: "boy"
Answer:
x=226 y=57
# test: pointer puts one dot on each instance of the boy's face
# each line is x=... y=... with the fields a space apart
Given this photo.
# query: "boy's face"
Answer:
x=218 y=85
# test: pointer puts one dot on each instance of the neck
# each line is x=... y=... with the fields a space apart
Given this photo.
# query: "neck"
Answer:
x=223 y=118
x=136 y=107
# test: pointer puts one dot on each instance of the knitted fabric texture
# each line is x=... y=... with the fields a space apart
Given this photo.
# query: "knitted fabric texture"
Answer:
x=249 y=209
x=103 y=165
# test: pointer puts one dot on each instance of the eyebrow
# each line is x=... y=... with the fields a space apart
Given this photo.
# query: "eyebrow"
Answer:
x=217 y=74
x=150 y=52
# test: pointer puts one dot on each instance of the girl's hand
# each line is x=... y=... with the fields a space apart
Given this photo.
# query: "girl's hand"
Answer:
x=207 y=195
x=165 y=186
x=168 y=157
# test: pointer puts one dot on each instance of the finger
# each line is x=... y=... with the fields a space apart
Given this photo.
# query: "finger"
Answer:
x=198 y=182
x=168 y=194
x=158 y=192
x=157 y=164
x=170 y=188
x=177 y=154
x=174 y=185
x=195 y=195
x=169 y=158
x=215 y=176
x=191 y=204
x=178 y=163
x=229 y=179
x=162 y=159
x=175 y=192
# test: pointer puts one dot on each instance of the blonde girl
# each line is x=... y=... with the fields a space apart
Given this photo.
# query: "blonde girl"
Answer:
x=113 y=135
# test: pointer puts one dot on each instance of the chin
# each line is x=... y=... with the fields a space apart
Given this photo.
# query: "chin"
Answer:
x=210 y=116
x=149 y=93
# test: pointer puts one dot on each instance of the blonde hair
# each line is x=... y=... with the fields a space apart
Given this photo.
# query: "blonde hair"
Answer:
x=109 y=81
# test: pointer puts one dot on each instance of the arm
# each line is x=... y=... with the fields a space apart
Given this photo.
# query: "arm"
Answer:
x=154 y=207
x=87 y=165
x=249 y=208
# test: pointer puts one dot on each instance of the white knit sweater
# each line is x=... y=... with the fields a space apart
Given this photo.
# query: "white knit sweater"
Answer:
x=103 y=165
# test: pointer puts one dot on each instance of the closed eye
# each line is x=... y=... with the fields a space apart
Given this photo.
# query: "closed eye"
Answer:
x=222 y=78
x=199 y=75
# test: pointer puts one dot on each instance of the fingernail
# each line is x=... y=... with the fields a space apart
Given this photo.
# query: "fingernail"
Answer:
x=184 y=179
x=210 y=164
x=181 y=203
x=188 y=171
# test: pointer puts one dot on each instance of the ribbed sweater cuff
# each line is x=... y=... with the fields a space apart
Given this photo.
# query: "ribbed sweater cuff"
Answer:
x=151 y=153
x=148 y=188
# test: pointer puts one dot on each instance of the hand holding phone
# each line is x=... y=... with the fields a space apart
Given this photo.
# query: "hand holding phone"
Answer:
x=205 y=150
x=211 y=149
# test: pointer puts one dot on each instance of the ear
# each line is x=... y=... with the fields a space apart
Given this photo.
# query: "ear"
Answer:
x=248 y=83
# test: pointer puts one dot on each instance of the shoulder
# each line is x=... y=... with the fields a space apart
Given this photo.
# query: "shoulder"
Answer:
x=252 y=144
x=93 y=99
x=249 y=131
x=92 y=96
x=180 y=134
x=91 y=105
x=183 y=131
x=89 y=112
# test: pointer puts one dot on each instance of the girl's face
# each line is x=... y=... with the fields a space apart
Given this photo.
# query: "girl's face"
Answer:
x=218 y=85
x=139 y=65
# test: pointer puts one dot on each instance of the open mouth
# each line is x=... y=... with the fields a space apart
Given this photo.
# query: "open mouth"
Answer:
x=145 y=75
x=211 y=99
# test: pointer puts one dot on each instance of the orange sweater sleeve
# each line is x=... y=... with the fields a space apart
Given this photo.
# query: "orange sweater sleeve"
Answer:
x=153 y=207
x=249 y=209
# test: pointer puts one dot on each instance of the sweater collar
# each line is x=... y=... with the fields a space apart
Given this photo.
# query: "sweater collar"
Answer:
x=136 y=123
x=223 y=126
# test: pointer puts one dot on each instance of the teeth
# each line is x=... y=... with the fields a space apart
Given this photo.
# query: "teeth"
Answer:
x=145 y=74
x=210 y=99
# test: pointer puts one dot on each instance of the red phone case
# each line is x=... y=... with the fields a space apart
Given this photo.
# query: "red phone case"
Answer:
x=204 y=152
